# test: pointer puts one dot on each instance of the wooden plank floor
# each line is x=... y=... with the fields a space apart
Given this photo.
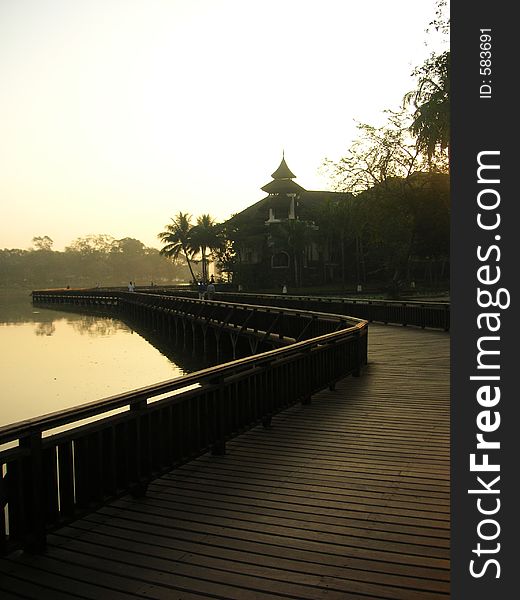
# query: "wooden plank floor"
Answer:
x=345 y=498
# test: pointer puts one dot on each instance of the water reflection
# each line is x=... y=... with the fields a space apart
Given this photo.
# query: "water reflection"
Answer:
x=45 y=328
x=92 y=325
x=187 y=359
x=16 y=307
x=97 y=325
x=99 y=322
x=56 y=359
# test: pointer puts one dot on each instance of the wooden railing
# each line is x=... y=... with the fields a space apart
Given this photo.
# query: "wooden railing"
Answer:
x=434 y=315
x=71 y=462
x=268 y=326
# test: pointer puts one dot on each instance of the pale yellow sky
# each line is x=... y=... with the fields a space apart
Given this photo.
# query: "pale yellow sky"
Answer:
x=117 y=114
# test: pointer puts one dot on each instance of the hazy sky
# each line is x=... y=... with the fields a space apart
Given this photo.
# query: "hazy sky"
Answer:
x=117 y=114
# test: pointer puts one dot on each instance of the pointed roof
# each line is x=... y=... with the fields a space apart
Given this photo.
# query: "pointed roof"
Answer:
x=282 y=186
x=283 y=171
x=308 y=200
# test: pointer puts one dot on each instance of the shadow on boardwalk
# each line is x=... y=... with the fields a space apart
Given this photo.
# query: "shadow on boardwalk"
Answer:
x=345 y=498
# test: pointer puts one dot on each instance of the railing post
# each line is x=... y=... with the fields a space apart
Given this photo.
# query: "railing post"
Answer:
x=357 y=355
x=219 y=446
x=32 y=484
x=447 y=317
x=267 y=421
x=405 y=315
x=307 y=374
x=139 y=487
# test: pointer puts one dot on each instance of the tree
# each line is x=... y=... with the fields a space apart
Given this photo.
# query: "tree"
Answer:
x=226 y=258
x=90 y=256
x=205 y=239
x=406 y=221
x=379 y=153
x=43 y=243
x=441 y=21
x=94 y=260
x=295 y=236
x=431 y=103
x=338 y=229
x=128 y=257
x=431 y=98
x=244 y=238
x=386 y=169
x=129 y=246
x=100 y=243
x=177 y=239
x=397 y=173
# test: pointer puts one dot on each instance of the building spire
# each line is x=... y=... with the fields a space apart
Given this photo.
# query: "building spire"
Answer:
x=283 y=171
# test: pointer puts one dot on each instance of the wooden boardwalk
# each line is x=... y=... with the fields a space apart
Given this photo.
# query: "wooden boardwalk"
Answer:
x=345 y=498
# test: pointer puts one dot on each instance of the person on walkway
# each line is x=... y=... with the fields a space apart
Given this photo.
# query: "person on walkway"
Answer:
x=202 y=290
x=211 y=289
x=131 y=287
x=284 y=288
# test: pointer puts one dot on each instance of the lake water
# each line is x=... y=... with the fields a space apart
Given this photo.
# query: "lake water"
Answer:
x=53 y=360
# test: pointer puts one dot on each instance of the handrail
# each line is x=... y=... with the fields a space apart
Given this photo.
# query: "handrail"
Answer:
x=418 y=313
x=338 y=298
x=91 y=409
x=217 y=302
x=47 y=481
x=430 y=314
x=223 y=315
x=332 y=298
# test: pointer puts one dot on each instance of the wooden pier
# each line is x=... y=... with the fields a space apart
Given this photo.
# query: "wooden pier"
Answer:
x=346 y=497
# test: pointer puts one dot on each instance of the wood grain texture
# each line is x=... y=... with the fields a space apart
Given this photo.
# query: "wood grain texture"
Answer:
x=344 y=498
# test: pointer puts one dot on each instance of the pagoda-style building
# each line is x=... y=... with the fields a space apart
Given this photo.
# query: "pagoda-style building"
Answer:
x=276 y=239
x=283 y=192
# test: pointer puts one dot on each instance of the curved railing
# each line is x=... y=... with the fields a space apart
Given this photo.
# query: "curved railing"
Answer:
x=70 y=462
x=433 y=315
x=275 y=324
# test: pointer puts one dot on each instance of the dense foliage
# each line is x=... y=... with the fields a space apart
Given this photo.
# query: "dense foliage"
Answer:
x=88 y=261
x=395 y=226
x=197 y=243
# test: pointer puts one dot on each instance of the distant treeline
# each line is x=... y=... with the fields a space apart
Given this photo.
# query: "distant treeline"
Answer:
x=89 y=261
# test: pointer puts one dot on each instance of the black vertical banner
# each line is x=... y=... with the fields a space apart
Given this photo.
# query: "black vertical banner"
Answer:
x=484 y=287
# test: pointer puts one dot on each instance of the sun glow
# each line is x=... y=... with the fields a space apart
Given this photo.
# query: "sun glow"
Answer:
x=116 y=115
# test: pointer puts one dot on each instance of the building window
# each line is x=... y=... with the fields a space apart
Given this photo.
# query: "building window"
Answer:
x=280 y=260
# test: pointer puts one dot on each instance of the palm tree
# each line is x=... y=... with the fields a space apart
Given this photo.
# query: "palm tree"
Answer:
x=431 y=101
x=205 y=238
x=177 y=239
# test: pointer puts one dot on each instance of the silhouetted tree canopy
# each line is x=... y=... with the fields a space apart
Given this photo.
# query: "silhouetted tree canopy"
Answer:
x=88 y=261
x=43 y=243
x=197 y=243
x=405 y=220
x=431 y=104
x=176 y=239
